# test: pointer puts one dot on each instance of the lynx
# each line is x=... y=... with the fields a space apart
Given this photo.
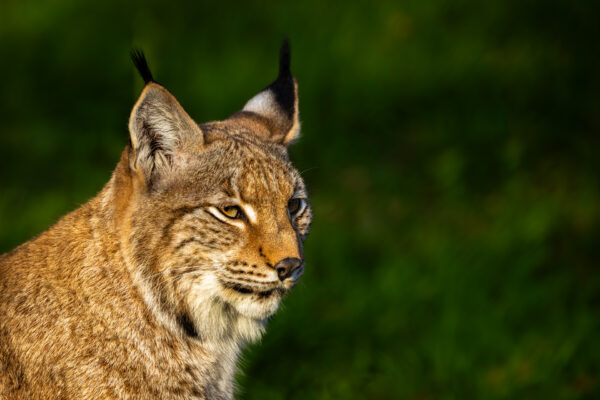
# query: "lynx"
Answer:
x=151 y=289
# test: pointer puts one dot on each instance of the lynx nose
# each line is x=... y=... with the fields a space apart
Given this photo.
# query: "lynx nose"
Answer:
x=287 y=266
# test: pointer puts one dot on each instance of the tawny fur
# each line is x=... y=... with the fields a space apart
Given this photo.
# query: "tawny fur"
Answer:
x=149 y=291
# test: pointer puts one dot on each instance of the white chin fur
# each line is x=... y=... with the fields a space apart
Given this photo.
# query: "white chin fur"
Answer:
x=249 y=305
x=223 y=314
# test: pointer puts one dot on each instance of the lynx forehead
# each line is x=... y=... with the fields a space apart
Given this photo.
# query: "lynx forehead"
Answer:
x=176 y=264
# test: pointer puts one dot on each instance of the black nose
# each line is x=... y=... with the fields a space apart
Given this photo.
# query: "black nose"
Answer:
x=286 y=266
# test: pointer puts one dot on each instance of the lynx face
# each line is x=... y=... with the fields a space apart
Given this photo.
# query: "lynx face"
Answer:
x=220 y=213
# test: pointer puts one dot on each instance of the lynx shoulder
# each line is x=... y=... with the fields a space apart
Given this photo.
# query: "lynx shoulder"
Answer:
x=150 y=289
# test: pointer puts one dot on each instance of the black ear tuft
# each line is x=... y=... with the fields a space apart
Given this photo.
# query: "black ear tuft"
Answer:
x=139 y=60
x=283 y=86
x=284 y=58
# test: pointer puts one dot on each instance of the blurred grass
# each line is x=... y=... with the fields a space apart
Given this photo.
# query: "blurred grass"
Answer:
x=451 y=153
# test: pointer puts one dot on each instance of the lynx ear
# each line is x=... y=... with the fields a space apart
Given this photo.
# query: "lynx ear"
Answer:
x=277 y=104
x=158 y=127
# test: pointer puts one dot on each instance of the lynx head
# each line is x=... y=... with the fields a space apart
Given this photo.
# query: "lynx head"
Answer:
x=217 y=213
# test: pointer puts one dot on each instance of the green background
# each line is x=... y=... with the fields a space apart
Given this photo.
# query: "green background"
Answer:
x=450 y=149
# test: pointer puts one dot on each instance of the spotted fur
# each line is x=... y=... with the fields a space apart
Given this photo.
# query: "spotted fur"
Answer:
x=149 y=290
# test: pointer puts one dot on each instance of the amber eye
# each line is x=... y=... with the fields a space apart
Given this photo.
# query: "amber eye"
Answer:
x=295 y=205
x=232 y=212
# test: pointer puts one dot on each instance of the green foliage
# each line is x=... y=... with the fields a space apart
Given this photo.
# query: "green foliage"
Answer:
x=451 y=153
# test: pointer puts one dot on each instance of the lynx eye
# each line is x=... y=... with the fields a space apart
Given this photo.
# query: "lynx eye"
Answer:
x=232 y=212
x=295 y=206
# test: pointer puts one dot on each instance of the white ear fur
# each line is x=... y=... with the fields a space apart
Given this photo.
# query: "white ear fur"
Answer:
x=158 y=125
x=262 y=104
